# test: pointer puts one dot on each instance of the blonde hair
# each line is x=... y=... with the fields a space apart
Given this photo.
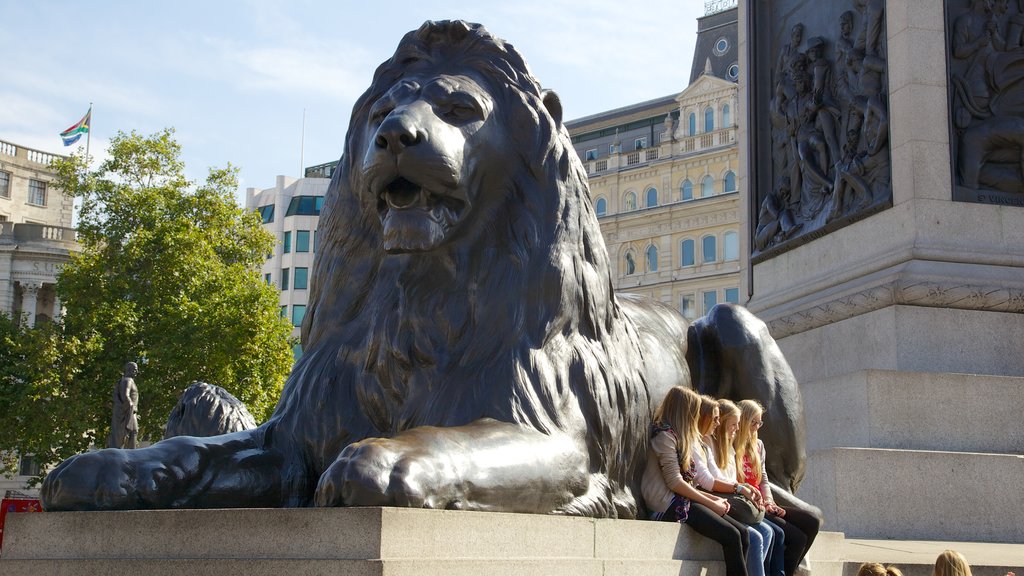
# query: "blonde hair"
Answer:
x=708 y=405
x=681 y=411
x=951 y=563
x=721 y=442
x=876 y=569
x=746 y=438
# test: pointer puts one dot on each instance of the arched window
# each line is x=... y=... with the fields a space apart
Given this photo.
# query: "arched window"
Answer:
x=726 y=116
x=729 y=182
x=686 y=253
x=629 y=202
x=652 y=197
x=652 y=258
x=709 y=119
x=630 y=263
x=710 y=249
x=707 y=187
x=686 y=190
x=693 y=125
x=601 y=206
x=731 y=245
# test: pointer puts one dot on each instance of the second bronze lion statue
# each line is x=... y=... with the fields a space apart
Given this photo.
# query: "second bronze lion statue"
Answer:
x=464 y=348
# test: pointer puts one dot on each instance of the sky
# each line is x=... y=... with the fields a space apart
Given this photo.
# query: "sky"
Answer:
x=234 y=78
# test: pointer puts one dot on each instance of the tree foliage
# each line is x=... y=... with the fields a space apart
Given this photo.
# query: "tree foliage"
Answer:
x=168 y=277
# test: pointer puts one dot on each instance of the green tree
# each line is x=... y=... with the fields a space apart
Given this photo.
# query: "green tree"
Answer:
x=168 y=277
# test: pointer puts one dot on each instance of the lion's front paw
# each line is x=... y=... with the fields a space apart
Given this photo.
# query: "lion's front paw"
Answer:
x=91 y=481
x=385 y=472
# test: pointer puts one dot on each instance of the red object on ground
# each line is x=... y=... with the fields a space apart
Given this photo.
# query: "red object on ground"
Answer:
x=16 y=505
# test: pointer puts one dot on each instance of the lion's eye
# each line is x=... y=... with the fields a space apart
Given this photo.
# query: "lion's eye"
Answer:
x=379 y=112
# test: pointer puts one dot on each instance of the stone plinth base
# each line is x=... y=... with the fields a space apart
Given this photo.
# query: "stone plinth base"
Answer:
x=358 y=541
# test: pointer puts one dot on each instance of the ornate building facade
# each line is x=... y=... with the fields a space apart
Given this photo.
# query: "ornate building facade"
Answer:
x=35 y=234
x=663 y=177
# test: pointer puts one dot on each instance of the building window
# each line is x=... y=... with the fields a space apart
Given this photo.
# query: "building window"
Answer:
x=732 y=295
x=305 y=206
x=686 y=250
x=686 y=191
x=315 y=241
x=693 y=124
x=591 y=154
x=710 y=299
x=729 y=182
x=629 y=202
x=302 y=241
x=733 y=72
x=721 y=46
x=266 y=213
x=709 y=119
x=652 y=197
x=301 y=279
x=630 y=263
x=28 y=466
x=298 y=313
x=266 y=277
x=640 y=143
x=688 y=307
x=601 y=206
x=284 y=279
x=5 y=184
x=707 y=187
x=284 y=311
x=731 y=245
x=709 y=247
x=613 y=149
x=37 y=192
x=726 y=116
x=652 y=258
x=287 y=242
x=297 y=352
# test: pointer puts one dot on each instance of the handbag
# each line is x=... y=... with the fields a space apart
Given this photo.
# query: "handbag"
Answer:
x=742 y=509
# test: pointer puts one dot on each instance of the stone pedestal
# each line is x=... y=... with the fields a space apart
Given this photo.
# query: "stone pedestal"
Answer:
x=906 y=330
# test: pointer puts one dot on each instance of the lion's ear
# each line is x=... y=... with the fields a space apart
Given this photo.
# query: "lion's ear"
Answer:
x=553 y=103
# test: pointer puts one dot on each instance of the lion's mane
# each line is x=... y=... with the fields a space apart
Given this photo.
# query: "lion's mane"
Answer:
x=514 y=319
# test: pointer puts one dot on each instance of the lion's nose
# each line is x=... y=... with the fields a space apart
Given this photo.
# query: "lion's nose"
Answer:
x=397 y=132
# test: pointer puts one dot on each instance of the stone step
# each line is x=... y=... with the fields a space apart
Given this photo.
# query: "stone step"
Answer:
x=918 y=494
x=915 y=410
x=917 y=558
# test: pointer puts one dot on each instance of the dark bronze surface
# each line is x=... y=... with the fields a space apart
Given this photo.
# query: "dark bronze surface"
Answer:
x=207 y=410
x=986 y=95
x=464 y=348
x=820 y=122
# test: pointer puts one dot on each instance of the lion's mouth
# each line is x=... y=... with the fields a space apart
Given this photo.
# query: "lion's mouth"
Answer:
x=415 y=218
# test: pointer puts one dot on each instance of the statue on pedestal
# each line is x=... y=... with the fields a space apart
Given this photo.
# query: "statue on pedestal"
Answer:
x=124 y=426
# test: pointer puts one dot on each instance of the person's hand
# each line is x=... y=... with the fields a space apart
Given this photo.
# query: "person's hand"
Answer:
x=754 y=495
x=719 y=506
x=777 y=510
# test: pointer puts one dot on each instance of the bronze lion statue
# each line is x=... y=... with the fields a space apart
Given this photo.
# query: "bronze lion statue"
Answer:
x=464 y=348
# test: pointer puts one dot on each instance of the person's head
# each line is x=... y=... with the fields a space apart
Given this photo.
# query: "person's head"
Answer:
x=796 y=35
x=846 y=23
x=709 y=417
x=876 y=569
x=750 y=422
x=951 y=563
x=681 y=410
x=131 y=369
x=729 y=423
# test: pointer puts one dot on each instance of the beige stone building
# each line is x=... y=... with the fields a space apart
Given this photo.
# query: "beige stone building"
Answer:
x=663 y=179
x=35 y=234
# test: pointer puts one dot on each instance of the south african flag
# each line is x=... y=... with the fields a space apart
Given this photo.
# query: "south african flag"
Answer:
x=72 y=134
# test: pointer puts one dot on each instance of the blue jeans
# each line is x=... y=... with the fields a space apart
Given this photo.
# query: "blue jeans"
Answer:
x=760 y=545
x=775 y=562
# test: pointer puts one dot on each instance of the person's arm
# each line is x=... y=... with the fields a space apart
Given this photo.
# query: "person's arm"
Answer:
x=710 y=477
x=664 y=445
x=765 y=487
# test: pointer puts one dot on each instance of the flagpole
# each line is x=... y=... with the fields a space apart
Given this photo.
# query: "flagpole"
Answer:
x=302 y=144
x=88 y=136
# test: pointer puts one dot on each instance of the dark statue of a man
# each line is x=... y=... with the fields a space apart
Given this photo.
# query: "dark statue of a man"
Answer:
x=124 y=426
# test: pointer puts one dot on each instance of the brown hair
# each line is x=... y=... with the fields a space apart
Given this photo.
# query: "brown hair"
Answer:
x=721 y=442
x=876 y=569
x=681 y=411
